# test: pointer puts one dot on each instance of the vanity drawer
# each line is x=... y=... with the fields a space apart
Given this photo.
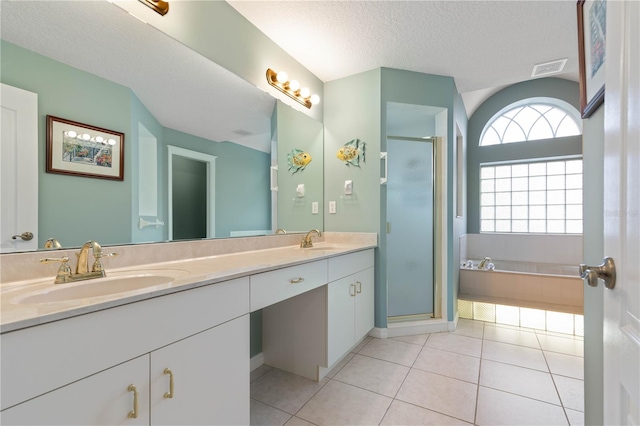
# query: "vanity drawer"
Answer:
x=341 y=266
x=275 y=286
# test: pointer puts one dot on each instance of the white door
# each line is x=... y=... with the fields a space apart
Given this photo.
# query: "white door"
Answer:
x=622 y=214
x=19 y=166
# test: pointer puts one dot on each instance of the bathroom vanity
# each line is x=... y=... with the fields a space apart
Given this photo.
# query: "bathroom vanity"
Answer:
x=178 y=352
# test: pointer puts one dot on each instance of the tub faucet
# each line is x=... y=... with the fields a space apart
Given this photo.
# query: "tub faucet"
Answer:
x=306 y=241
x=484 y=262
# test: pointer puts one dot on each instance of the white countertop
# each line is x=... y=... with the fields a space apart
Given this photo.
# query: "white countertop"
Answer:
x=188 y=274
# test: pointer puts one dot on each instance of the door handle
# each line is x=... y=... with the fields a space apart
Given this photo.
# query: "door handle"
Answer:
x=606 y=272
x=26 y=236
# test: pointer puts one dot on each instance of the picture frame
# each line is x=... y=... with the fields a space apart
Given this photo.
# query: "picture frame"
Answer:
x=79 y=149
x=592 y=18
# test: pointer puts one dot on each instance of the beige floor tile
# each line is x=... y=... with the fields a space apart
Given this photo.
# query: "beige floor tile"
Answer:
x=571 y=392
x=501 y=408
x=512 y=336
x=362 y=344
x=339 y=366
x=565 y=365
x=284 y=390
x=450 y=364
x=401 y=413
x=565 y=345
x=262 y=414
x=341 y=404
x=469 y=328
x=373 y=375
x=391 y=350
x=576 y=418
x=447 y=396
x=416 y=339
x=258 y=372
x=516 y=355
x=518 y=380
x=297 y=421
x=454 y=343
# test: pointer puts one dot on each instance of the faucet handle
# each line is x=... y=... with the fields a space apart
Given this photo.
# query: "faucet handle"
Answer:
x=64 y=271
x=97 y=263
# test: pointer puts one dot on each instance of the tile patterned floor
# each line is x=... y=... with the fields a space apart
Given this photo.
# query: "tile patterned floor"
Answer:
x=481 y=374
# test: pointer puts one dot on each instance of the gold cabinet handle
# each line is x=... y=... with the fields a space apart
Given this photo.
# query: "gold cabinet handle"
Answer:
x=170 y=373
x=133 y=414
x=352 y=290
x=359 y=284
x=296 y=280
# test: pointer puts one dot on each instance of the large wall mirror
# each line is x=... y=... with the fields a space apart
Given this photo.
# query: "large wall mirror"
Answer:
x=189 y=125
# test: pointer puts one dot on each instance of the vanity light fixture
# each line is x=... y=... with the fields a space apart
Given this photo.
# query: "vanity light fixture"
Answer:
x=88 y=137
x=280 y=80
x=162 y=7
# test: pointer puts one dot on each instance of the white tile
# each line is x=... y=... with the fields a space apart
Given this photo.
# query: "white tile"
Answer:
x=566 y=345
x=401 y=413
x=392 y=351
x=340 y=365
x=571 y=392
x=284 y=390
x=262 y=414
x=297 y=421
x=565 y=365
x=373 y=374
x=514 y=336
x=258 y=372
x=341 y=404
x=416 y=339
x=448 y=396
x=576 y=418
x=454 y=343
x=515 y=355
x=501 y=408
x=450 y=364
x=469 y=328
x=518 y=380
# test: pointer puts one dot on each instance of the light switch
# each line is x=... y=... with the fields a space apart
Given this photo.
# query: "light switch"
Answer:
x=314 y=207
x=332 y=207
x=348 y=187
x=300 y=190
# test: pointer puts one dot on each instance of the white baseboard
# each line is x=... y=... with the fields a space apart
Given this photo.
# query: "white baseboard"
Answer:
x=414 y=327
x=256 y=361
x=379 y=333
x=454 y=324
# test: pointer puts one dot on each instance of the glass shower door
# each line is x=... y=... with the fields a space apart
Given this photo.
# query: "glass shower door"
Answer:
x=410 y=228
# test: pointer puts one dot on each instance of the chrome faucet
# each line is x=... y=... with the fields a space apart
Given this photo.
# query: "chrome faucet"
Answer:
x=64 y=274
x=484 y=262
x=306 y=241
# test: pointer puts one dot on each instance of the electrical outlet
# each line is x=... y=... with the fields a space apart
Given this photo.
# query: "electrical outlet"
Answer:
x=314 y=207
x=332 y=207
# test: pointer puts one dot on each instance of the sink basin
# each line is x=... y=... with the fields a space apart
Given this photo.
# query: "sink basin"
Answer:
x=119 y=283
x=326 y=247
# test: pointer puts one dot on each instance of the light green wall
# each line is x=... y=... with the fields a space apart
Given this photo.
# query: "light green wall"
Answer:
x=547 y=87
x=593 y=242
x=298 y=131
x=101 y=206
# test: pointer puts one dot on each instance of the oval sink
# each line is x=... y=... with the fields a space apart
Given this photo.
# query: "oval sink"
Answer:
x=323 y=248
x=94 y=288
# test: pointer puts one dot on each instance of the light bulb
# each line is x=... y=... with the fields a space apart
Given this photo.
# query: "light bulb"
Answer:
x=305 y=92
x=111 y=141
x=72 y=134
x=99 y=139
x=294 y=85
x=86 y=136
x=282 y=77
x=315 y=99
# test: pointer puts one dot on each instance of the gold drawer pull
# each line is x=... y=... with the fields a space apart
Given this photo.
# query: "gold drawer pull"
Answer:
x=170 y=373
x=296 y=280
x=352 y=290
x=133 y=414
x=359 y=284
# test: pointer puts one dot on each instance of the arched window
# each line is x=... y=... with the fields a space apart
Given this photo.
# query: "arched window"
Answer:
x=531 y=119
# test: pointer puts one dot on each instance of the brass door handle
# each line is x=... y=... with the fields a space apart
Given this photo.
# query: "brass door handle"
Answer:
x=359 y=284
x=133 y=414
x=606 y=272
x=25 y=236
x=352 y=290
x=296 y=280
x=170 y=373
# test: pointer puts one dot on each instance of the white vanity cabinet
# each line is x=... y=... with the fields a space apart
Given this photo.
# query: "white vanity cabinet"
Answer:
x=78 y=370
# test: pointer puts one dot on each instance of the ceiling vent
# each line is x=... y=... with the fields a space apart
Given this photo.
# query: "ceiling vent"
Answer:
x=547 y=68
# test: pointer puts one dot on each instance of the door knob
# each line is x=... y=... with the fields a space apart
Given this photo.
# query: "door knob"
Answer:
x=606 y=272
x=26 y=236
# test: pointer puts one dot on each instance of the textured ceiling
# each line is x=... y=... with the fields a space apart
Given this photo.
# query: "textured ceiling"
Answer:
x=483 y=44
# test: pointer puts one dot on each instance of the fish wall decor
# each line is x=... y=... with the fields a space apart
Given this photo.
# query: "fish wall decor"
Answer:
x=352 y=152
x=297 y=160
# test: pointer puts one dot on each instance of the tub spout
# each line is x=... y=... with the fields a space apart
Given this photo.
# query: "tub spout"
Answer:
x=484 y=262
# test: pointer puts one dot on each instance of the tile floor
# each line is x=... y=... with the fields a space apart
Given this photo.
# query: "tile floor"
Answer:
x=481 y=374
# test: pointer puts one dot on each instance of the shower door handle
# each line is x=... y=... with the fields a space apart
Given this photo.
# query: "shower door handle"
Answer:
x=606 y=272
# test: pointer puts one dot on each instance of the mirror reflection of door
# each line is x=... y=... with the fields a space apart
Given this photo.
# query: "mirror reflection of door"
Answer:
x=191 y=194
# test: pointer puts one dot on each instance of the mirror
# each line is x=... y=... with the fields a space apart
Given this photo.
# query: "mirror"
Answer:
x=93 y=63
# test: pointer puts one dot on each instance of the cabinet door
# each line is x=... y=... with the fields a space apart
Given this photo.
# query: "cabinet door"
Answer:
x=210 y=374
x=364 y=316
x=100 y=399
x=341 y=305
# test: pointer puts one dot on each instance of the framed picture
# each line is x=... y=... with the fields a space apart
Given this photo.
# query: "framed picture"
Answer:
x=82 y=150
x=592 y=25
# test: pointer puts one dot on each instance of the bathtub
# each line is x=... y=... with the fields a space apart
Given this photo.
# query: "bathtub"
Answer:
x=540 y=285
